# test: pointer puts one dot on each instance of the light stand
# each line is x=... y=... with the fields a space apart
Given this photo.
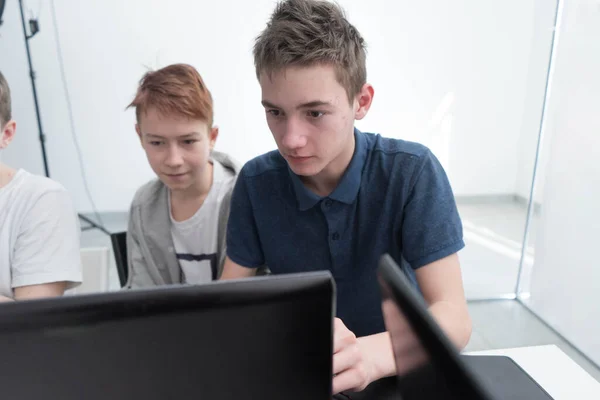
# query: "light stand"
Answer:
x=2 y=4
x=34 y=27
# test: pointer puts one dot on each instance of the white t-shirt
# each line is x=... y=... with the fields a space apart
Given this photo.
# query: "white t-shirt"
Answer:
x=196 y=239
x=39 y=234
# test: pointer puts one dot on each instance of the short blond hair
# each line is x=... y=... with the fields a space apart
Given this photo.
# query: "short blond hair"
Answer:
x=312 y=32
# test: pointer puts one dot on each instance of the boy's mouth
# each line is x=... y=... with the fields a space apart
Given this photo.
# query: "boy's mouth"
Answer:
x=176 y=175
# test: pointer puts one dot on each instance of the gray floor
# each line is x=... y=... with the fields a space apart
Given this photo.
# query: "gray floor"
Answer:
x=493 y=233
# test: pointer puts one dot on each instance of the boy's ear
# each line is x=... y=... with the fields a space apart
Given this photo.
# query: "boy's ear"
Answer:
x=138 y=131
x=213 y=134
x=363 y=101
x=7 y=134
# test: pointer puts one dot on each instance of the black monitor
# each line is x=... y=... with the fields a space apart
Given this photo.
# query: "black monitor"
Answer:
x=429 y=366
x=260 y=338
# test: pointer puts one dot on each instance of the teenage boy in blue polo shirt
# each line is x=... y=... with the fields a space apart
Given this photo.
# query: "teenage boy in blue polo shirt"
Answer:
x=334 y=198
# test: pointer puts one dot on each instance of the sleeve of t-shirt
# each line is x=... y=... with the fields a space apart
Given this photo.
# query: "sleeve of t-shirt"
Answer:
x=431 y=228
x=47 y=247
x=243 y=243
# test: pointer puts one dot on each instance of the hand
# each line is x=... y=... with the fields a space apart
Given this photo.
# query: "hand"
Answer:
x=352 y=368
x=408 y=351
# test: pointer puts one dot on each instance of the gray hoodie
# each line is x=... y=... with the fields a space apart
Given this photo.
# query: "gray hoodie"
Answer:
x=150 y=250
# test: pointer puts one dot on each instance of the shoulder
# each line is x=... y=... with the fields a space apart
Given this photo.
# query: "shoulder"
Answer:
x=271 y=162
x=263 y=180
x=42 y=200
x=36 y=189
x=36 y=184
x=224 y=187
x=393 y=148
x=399 y=161
x=396 y=154
x=148 y=192
x=230 y=165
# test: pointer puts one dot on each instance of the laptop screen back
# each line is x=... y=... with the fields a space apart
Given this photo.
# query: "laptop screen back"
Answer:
x=428 y=364
x=263 y=338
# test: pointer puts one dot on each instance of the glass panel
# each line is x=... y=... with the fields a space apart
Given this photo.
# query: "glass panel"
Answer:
x=562 y=286
x=494 y=193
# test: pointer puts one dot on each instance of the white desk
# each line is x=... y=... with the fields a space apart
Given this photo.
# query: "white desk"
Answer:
x=552 y=369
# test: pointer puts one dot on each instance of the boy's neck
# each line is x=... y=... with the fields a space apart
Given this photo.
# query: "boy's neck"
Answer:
x=325 y=182
x=185 y=203
x=195 y=195
x=6 y=174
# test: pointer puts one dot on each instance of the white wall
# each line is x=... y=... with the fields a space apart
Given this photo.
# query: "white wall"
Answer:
x=566 y=274
x=452 y=75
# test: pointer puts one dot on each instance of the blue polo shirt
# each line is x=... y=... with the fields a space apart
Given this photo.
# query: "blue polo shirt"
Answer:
x=393 y=198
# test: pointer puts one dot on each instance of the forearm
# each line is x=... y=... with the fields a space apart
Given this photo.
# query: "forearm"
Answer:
x=454 y=321
x=45 y=290
x=231 y=270
x=379 y=348
x=55 y=289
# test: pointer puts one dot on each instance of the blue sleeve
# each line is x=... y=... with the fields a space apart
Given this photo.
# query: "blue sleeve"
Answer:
x=243 y=244
x=431 y=227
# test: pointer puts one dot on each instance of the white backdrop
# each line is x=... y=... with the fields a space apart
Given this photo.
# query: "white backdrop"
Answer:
x=452 y=75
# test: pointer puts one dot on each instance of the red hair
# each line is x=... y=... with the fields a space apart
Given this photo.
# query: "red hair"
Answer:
x=176 y=89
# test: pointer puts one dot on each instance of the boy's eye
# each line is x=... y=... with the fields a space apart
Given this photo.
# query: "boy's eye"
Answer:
x=155 y=143
x=315 y=114
x=190 y=141
x=274 y=113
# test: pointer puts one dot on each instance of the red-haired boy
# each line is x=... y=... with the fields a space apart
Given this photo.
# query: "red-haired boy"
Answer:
x=177 y=222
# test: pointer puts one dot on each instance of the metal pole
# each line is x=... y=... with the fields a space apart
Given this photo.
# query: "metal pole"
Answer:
x=93 y=225
x=35 y=97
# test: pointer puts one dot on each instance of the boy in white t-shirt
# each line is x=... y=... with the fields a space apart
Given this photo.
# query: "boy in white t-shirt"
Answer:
x=39 y=229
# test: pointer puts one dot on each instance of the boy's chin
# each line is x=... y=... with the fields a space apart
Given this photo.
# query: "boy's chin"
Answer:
x=306 y=170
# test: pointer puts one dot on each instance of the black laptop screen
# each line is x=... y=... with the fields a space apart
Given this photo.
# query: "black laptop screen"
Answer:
x=267 y=338
x=428 y=364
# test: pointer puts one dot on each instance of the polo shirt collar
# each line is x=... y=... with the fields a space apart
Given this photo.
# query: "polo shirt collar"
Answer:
x=347 y=189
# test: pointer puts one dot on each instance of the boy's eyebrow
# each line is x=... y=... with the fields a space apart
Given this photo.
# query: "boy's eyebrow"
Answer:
x=188 y=135
x=310 y=104
x=183 y=136
x=315 y=103
x=153 y=136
